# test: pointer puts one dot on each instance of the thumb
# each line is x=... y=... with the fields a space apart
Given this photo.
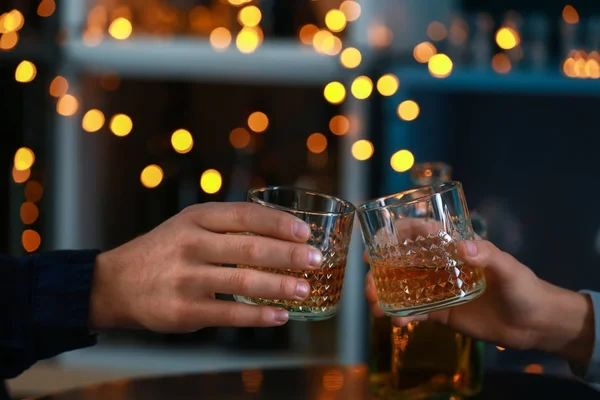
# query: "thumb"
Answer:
x=484 y=254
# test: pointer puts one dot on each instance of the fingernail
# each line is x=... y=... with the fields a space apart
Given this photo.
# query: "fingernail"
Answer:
x=301 y=230
x=315 y=258
x=471 y=248
x=281 y=316
x=302 y=290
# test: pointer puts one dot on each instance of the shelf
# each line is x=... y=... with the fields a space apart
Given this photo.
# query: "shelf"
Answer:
x=487 y=81
x=283 y=62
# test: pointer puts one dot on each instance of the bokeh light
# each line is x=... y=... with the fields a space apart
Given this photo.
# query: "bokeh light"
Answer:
x=20 y=176
x=121 y=125
x=151 y=176
x=351 y=10
x=335 y=92
x=247 y=40
x=408 y=110
x=58 y=87
x=120 y=28
x=350 y=57
x=362 y=150
x=339 y=125
x=31 y=240
x=220 y=38
x=362 y=87
x=8 y=40
x=92 y=121
x=25 y=72
x=307 y=33
x=46 y=8
x=402 y=161
x=29 y=213
x=335 y=20
x=211 y=181
x=239 y=138
x=33 y=191
x=440 y=66
x=437 y=31
x=24 y=159
x=507 y=38
x=67 y=105
x=570 y=14
x=316 y=143
x=258 y=122
x=388 y=84
x=424 y=51
x=182 y=141
x=501 y=63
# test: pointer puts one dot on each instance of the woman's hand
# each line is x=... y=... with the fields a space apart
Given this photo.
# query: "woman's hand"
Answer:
x=166 y=280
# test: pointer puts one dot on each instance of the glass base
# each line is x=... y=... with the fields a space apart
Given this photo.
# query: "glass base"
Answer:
x=430 y=307
x=294 y=314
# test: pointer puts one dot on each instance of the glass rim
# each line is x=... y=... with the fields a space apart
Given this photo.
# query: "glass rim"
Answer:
x=252 y=193
x=443 y=187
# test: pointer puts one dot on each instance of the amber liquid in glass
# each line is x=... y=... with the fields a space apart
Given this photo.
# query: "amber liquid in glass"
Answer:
x=326 y=289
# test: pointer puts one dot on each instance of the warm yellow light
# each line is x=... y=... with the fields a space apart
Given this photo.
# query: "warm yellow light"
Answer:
x=46 y=8
x=24 y=159
x=570 y=14
x=321 y=39
x=29 y=213
x=350 y=57
x=211 y=181
x=534 y=369
x=239 y=138
x=334 y=92
x=151 y=176
x=388 y=84
x=25 y=72
x=307 y=33
x=220 y=38
x=579 y=67
x=437 y=31
x=249 y=16
x=440 y=66
x=362 y=150
x=402 y=161
x=362 y=87
x=500 y=348
x=31 y=240
x=507 y=38
x=120 y=28
x=182 y=141
x=501 y=63
x=92 y=121
x=408 y=110
x=258 y=122
x=424 y=51
x=11 y=21
x=335 y=20
x=339 y=125
x=351 y=10
x=332 y=45
x=247 y=40
x=316 y=143
x=20 y=176
x=67 y=105
x=8 y=40
x=33 y=191
x=379 y=35
x=59 y=86
x=92 y=36
x=121 y=125
x=592 y=69
x=569 y=67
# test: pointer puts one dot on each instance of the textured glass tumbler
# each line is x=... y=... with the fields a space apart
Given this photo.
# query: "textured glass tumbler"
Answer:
x=330 y=220
x=412 y=244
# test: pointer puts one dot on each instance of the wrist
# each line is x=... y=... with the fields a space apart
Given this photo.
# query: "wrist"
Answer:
x=565 y=327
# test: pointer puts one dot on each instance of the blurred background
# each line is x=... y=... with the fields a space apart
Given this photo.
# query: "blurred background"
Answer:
x=116 y=114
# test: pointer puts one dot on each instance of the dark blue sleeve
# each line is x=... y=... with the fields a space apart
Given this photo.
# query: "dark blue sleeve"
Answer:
x=44 y=307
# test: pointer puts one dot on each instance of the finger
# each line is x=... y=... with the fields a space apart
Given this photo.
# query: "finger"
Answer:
x=371 y=295
x=483 y=254
x=229 y=313
x=253 y=283
x=261 y=251
x=250 y=217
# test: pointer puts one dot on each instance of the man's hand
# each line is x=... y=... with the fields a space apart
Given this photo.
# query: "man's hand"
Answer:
x=166 y=280
x=517 y=310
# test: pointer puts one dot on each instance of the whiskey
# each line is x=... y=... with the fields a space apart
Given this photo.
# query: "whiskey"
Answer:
x=326 y=290
x=426 y=274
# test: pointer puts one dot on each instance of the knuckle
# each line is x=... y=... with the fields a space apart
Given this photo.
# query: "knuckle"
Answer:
x=285 y=225
x=287 y=286
x=298 y=255
x=242 y=213
x=240 y=281
x=249 y=249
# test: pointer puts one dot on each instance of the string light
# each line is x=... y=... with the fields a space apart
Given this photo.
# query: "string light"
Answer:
x=335 y=92
x=20 y=176
x=239 y=138
x=570 y=14
x=339 y=125
x=501 y=63
x=437 y=31
x=379 y=35
x=321 y=39
x=316 y=143
x=59 y=87
x=9 y=40
x=24 y=159
x=249 y=16
x=25 y=72
x=92 y=121
x=440 y=66
x=351 y=10
x=12 y=21
x=258 y=122
x=46 y=8
x=151 y=176
x=331 y=46
x=350 y=58
x=220 y=38
x=182 y=141
x=307 y=33
x=507 y=38
x=402 y=161
x=29 y=213
x=31 y=240
x=335 y=20
x=247 y=40
x=362 y=87
x=388 y=84
x=424 y=51
x=121 y=125
x=120 y=28
x=408 y=110
x=211 y=181
x=67 y=105
x=362 y=150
